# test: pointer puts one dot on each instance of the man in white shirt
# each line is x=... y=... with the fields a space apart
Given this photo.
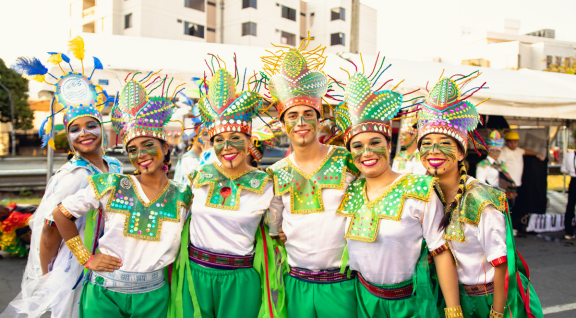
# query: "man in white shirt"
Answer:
x=513 y=158
x=569 y=168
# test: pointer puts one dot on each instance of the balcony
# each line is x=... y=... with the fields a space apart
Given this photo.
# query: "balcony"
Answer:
x=89 y=12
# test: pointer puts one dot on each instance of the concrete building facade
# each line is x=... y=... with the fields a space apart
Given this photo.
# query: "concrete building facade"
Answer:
x=237 y=22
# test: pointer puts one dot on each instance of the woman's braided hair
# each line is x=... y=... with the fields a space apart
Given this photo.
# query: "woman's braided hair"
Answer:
x=454 y=204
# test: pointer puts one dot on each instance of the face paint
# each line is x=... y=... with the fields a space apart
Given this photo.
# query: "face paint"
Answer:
x=151 y=150
x=74 y=135
x=290 y=124
x=379 y=151
x=447 y=150
x=240 y=145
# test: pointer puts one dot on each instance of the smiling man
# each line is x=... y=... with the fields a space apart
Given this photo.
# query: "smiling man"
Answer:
x=309 y=185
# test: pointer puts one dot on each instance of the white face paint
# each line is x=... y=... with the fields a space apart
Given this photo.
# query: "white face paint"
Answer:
x=92 y=128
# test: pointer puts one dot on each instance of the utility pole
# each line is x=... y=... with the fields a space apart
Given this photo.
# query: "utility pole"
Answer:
x=355 y=27
x=49 y=150
x=13 y=133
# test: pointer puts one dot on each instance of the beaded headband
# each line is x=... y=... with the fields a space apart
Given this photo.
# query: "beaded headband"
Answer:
x=495 y=141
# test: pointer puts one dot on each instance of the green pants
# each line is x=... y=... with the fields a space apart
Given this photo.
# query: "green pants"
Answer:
x=370 y=306
x=97 y=301
x=223 y=293
x=316 y=300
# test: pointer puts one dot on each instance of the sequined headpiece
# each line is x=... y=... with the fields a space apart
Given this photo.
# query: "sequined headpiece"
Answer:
x=223 y=109
x=410 y=125
x=296 y=80
x=446 y=112
x=75 y=94
x=262 y=139
x=495 y=141
x=364 y=110
x=136 y=114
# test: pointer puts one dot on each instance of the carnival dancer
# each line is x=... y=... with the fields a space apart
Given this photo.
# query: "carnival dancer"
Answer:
x=569 y=168
x=143 y=215
x=228 y=269
x=81 y=101
x=476 y=222
x=492 y=171
x=391 y=212
x=309 y=185
x=262 y=141
x=408 y=160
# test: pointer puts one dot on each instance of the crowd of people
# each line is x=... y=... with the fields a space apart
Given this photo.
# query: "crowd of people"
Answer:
x=331 y=231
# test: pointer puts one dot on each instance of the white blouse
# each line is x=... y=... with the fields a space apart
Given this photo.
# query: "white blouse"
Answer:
x=229 y=232
x=137 y=255
x=315 y=241
x=484 y=243
x=391 y=259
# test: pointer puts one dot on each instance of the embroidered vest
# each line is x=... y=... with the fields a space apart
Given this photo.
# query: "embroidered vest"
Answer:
x=143 y=220
x=224 y=192
x=366 y=215
x=475 y=199
x=306 y=190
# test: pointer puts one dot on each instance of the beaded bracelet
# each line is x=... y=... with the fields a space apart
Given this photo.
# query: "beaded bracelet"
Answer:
x=495 y=314
x=454 y=312
x=76 y=246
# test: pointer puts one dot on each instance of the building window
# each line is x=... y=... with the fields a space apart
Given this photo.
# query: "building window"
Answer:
x=248 y=28
x=548 y=60
x=210 y=3
x=288 y=13
x=128 y=21
x=194 y=4
x=567 y=61
x=519 y=61
x=337 y=14
x=288 y=38
x=210 y=30
x=193 y=29
x=558 y=60
x=337 y=39
x=249 y=4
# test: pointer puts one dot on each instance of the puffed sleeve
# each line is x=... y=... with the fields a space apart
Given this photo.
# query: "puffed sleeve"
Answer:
x=492 y=235
x=80 y=203
x=62 y=184
x=274 y=215
x=482 y=174
x=431 y=220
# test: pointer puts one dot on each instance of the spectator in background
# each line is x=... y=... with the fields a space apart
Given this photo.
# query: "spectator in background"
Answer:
x=569 y=168
x=492 y=170
x=512 y=156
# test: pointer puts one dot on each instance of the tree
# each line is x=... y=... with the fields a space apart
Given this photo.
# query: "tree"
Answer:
x=566 y=67
x=18 y=85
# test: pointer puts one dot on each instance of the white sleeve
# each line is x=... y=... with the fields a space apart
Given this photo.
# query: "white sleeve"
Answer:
x=61 y=185
x=482 y=174
x=565 y=164
x=274 y=215
x=395 y=164
x=349 y=179
x=81 y=202
x=492 y=233
x=431 y=220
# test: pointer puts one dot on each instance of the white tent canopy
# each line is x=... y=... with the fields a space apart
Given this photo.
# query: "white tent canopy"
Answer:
x=524 y=93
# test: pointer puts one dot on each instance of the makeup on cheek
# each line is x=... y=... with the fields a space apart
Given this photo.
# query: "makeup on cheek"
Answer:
x=380 y=151
x=152 y=151
x=447 y=150
x=96 y=131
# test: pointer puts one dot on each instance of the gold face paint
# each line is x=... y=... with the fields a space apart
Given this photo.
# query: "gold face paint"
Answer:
x=290 y=124
x=447 y=148
x=149 y=147
x=374 y=146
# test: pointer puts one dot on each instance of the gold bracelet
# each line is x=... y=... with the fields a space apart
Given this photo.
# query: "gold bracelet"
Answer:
x=454 y=312
x=77 y=247
x=495 y=314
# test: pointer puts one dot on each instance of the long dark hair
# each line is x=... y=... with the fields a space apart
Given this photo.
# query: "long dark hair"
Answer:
x=454 y=205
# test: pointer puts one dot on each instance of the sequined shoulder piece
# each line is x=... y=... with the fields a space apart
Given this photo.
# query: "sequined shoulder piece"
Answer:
x=366 y=215
x=305 y=189
x=484 y=163
x=478 y=196
x=224 y=190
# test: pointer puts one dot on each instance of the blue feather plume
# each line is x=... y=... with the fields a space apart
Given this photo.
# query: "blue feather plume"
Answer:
x=65 y=58
x=29 y=66
x=97 y=63
x=42 y=132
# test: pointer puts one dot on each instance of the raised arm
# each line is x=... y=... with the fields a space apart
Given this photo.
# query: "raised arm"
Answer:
x=533 y=153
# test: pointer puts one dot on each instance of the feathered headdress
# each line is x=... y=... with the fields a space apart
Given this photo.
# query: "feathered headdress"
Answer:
x=296 y=77
x=446 y=112
x=223 y=109
x=495 y=141
x=410 y=125
x=75 y=94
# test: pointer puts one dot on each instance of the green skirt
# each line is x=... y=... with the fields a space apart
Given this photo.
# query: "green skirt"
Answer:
x=371 y=306
x=320 y=300
x=223 y=293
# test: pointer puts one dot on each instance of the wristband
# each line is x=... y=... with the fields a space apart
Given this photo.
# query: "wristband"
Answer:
x=76 y=246
x=87 y=265
x=495 y=314
x=454 y=312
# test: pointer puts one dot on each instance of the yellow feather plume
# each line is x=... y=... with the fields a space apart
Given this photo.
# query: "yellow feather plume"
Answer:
x=55 y=58
x=76 y=46
x=37 y=78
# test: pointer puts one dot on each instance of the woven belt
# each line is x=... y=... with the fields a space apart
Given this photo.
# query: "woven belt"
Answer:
x=128 y=282
x=392 y=292
x=219 y=261
x=480 y=289
x=327 y=276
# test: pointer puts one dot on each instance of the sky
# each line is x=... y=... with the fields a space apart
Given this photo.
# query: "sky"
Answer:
x=408 y=29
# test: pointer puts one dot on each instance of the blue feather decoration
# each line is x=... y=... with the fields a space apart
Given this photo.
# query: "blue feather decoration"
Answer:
x=97 y=64
x=65 y=58
x=42 y=132
x=29 y=66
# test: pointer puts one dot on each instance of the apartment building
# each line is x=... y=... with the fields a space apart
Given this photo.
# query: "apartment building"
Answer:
x=239 y=22
x=503 y=47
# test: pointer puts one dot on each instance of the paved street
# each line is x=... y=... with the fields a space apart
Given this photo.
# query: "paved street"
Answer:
x=552 y=263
